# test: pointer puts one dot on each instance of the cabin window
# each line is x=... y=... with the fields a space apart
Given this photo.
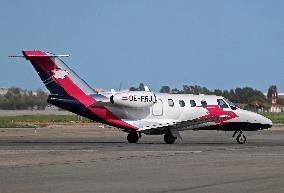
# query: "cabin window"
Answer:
x=222 y=103
x=181 y=103
x=171 y=102
x=204 y=104
x=192 y=103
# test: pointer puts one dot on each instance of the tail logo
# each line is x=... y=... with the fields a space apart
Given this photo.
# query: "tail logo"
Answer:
x=59 y=73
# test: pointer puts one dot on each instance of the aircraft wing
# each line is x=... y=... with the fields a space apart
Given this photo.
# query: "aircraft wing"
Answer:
x=155 y=126
x=195 y=122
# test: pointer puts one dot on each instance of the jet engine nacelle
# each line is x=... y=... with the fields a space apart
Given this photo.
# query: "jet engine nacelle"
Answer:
x=135 y=99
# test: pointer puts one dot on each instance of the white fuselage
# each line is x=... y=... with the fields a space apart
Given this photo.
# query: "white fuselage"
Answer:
x=169 y=109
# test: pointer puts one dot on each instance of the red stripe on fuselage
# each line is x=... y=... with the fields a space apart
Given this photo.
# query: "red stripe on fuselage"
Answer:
x=74 y=91
x=215 y=110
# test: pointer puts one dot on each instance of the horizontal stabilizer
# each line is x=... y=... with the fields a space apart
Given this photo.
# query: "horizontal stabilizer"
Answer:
x=60 y=55
x=100 y=104
x=37 y=53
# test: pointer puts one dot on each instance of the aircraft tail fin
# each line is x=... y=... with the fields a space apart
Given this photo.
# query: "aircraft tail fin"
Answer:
x=58 y=78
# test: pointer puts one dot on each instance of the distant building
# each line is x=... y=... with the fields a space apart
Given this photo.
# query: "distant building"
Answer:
x=273 y=98
x=3 y=90
x=281 y=96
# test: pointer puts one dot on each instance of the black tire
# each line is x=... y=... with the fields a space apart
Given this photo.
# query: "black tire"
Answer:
x=132 y=137
x=241 y=139
x=169 y=138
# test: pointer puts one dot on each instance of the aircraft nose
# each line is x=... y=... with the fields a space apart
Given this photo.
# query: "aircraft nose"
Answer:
x=259 y=121
x=266 y=123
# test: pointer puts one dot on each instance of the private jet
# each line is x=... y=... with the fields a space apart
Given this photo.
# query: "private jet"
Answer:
x=141 y=112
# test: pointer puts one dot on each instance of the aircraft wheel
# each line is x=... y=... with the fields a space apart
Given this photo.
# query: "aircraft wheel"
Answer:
x=132 y=137
x=241 y=139
x=169 y=138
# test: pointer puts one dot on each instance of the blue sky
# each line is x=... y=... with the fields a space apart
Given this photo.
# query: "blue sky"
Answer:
x=218 y=44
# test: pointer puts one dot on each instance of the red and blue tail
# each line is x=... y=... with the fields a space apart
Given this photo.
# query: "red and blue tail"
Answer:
x=58 y=78
x=69 y=91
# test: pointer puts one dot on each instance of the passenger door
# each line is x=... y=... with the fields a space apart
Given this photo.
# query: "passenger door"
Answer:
x=157 y=109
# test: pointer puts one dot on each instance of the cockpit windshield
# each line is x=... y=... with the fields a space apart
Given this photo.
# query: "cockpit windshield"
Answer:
x=231 y=104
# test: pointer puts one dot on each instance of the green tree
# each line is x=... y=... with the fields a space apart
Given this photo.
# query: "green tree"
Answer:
x=17 y=98
x=165 y=89
x=133 y=88
x=218 y=92
x=176 y=91
x=141 y=87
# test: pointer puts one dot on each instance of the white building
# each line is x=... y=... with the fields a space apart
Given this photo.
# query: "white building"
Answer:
x=3 y=90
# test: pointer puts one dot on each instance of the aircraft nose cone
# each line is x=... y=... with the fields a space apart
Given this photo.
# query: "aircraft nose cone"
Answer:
x=266 y=123
x=259 y=121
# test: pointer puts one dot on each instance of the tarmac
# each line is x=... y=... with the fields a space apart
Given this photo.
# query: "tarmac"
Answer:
x=86 y=159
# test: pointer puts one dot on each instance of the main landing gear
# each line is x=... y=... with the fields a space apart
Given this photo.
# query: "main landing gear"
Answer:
x=133 y=137
x=169 y=138
x=241 y=138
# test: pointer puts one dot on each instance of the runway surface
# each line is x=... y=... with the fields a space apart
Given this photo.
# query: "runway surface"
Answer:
x=84 y=159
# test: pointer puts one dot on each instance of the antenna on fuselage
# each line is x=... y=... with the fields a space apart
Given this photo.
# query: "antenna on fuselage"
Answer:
x=112 y=91
x=146 y=88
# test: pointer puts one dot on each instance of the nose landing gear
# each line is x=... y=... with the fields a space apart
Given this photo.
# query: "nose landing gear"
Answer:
x=241 y=138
